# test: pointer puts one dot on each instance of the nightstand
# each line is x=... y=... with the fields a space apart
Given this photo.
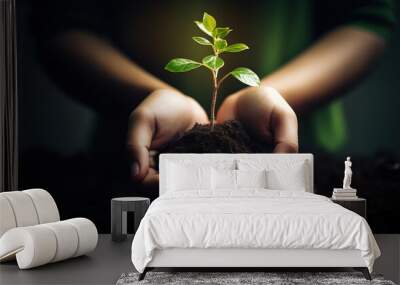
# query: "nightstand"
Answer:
x=358 y=205
x=119 y=208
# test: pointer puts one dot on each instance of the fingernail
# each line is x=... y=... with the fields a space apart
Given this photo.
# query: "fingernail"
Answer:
x=135 y=169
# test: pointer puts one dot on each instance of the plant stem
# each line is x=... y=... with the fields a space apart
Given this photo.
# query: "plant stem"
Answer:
x=214 y=99
x=222 y=79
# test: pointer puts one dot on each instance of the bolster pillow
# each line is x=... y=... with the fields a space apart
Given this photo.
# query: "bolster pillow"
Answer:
x=40 y=244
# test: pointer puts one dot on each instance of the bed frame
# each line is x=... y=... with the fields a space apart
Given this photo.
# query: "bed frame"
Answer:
x=243 y=259
x=246 y=258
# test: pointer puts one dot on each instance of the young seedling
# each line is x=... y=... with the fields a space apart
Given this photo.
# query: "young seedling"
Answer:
x=214 y=62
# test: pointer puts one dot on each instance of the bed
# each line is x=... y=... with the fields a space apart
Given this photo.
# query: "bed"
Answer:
x=246 y=211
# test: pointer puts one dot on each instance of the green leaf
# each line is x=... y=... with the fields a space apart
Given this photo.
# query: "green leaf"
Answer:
x=203 y=28
x=221 y=32
x=202 y=41
x=246 y=76
x=209 y=22
x=182 y=65
x=220 y=44
x=236 y=48
x=213 y=62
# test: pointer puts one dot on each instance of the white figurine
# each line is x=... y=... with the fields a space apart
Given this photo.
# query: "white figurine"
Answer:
x=347 y=174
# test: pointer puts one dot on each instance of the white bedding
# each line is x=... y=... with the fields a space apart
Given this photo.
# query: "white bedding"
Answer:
x=250 y=218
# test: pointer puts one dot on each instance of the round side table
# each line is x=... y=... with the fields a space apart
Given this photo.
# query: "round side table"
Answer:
x=119 y=208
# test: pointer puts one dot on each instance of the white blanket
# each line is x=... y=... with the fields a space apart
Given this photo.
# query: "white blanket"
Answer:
x=250 y=219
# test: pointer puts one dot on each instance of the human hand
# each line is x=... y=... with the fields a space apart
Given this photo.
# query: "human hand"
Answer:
x=264 y=113
x=162 y=116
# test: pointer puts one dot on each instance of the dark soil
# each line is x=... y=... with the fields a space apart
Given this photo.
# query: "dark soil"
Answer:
x=229 y=137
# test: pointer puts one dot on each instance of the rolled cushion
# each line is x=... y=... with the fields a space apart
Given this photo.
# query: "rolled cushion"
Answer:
x=45 y=205
x=7 y=218
x=67 y=240
x=26 y=208
x=87 y=234
x=37 y=245
x=33 y=246
x=23 y=208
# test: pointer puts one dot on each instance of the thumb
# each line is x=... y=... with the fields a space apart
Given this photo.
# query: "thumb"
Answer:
x=140 y=134
x=227 y=110
x=285 y=131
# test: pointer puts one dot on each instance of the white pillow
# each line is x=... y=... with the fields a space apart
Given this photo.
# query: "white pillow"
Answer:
x=282 y=174
x=290 y=179
x=251 y=178
x=224 y=179
x=183 y=178
x=203 y=160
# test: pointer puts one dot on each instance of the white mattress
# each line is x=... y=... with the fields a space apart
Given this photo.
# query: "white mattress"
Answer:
x=251 y=219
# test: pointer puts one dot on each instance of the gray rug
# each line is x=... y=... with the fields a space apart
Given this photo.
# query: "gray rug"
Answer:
x=269 y=278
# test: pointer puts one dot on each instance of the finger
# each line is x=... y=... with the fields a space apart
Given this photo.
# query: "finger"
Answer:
x=141 y=131
x=199 y=115
x=151 y=180
x=149 y=185
x=254 y=110
x=284 y=123
x=227 y=111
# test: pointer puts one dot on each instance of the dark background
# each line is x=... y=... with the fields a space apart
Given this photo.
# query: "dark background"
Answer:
x=57 y=137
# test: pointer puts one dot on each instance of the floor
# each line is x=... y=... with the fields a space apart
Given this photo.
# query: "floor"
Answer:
x=389 y=262
x=110 y=260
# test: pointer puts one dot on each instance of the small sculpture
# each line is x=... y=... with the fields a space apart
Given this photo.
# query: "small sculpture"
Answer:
x=347 y=174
